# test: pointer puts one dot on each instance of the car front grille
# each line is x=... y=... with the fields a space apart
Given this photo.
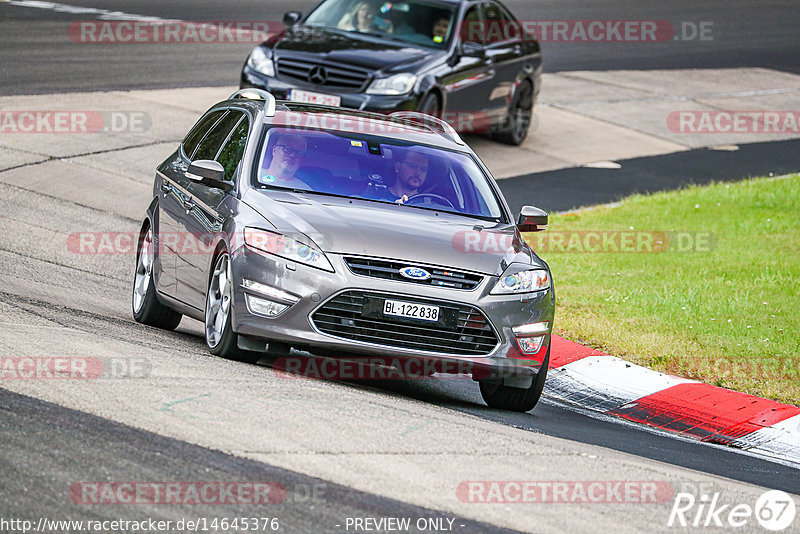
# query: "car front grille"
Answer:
x=390 y=270
x=468 y=333
x=336 y=76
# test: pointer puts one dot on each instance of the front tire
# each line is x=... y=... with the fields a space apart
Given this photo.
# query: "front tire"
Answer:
x=144 y=302
x=431 y=106
x=516 y=399
x=221 y=340
x=515 y=129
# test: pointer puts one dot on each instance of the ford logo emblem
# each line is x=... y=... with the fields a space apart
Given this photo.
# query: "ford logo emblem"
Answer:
x=415 y=273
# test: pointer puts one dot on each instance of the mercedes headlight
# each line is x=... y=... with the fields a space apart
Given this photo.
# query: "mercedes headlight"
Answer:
x=286 y=247
x=399 y=84
x=522 y=282
x=260 y=61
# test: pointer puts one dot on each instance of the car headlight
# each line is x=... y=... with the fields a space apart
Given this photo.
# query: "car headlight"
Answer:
x=522 y=282
x=399 y=84
x=286 y=247
x=260 y=61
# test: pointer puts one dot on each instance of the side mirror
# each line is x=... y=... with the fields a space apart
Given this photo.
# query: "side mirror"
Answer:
x=209 y=173
x=290 y=18
x=532 y=219
x=470 y=49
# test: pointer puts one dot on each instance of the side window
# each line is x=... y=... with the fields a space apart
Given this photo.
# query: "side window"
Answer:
x=472 y=31
x=200 y=129
x=231 y=154
x=500 y=25
x=211 y=143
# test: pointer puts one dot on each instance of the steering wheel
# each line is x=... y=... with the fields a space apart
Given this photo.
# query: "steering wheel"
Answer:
x=443 y=201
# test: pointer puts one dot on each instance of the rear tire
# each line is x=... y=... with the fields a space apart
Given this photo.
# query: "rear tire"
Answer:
x=516 y=399
x=146 y=307
x=515 y=129
x=221 y=340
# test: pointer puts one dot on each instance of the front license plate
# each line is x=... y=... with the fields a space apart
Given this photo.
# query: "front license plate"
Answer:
x=410 y=310
x=296 y=95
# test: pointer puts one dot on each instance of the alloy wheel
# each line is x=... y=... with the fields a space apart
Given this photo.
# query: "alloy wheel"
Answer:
x=218 y=301
x=144 y=268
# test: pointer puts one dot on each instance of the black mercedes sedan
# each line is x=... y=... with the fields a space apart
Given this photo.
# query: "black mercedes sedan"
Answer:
x=453 y=59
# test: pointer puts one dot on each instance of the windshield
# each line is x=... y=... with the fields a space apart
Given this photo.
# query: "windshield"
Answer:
x=414 y=21
x=376 y=168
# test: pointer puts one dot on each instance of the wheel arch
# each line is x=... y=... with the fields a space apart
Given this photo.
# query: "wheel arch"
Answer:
x=429 y=86
x=150 y=213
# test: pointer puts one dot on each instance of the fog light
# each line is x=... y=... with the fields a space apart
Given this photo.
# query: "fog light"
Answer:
x=264 y=307
x=273 y=292
x=530 y=345
x=532 y=329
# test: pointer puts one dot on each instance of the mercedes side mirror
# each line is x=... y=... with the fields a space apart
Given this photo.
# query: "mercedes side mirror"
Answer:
x=470 y=49
x=290 y=18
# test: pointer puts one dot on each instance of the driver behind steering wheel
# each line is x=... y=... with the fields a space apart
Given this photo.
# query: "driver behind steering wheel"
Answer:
x=410 y=172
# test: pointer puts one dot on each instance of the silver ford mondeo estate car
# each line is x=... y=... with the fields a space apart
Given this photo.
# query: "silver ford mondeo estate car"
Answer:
x=349 y=235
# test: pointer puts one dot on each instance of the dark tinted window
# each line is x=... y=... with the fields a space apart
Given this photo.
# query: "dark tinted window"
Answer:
x=231 y=154
x=211 y=143
x=473 y=29
x=500 y=26
x=200 y=129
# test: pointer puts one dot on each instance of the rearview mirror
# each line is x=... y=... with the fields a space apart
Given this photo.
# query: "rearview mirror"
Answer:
x=209 y=173
x=532 y=219
x=290 y=18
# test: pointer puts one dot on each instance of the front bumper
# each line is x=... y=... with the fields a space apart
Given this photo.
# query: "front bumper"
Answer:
x=362 y=101
x=313 y=288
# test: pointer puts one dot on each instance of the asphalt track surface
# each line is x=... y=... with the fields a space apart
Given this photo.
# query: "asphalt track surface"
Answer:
x=29 y=427
x=37 y=56
x=567 y=189
x=47 y=447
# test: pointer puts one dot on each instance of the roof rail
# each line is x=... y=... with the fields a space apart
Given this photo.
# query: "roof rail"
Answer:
x=427 y=120
x=253 y=93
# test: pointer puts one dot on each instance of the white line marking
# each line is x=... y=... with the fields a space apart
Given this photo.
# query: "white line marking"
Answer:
x=102 y=14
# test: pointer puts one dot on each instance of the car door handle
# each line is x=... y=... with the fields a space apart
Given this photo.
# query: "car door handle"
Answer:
x=188 y=204
x=165 y=186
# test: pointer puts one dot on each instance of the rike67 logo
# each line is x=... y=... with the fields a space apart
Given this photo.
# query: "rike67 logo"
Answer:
x=774 y=510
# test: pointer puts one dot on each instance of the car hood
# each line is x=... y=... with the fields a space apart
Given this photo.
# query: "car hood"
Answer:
x=365 y=228
x=351 y=49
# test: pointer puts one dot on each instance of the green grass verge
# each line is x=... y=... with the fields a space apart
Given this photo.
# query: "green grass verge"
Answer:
x=713 y=293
